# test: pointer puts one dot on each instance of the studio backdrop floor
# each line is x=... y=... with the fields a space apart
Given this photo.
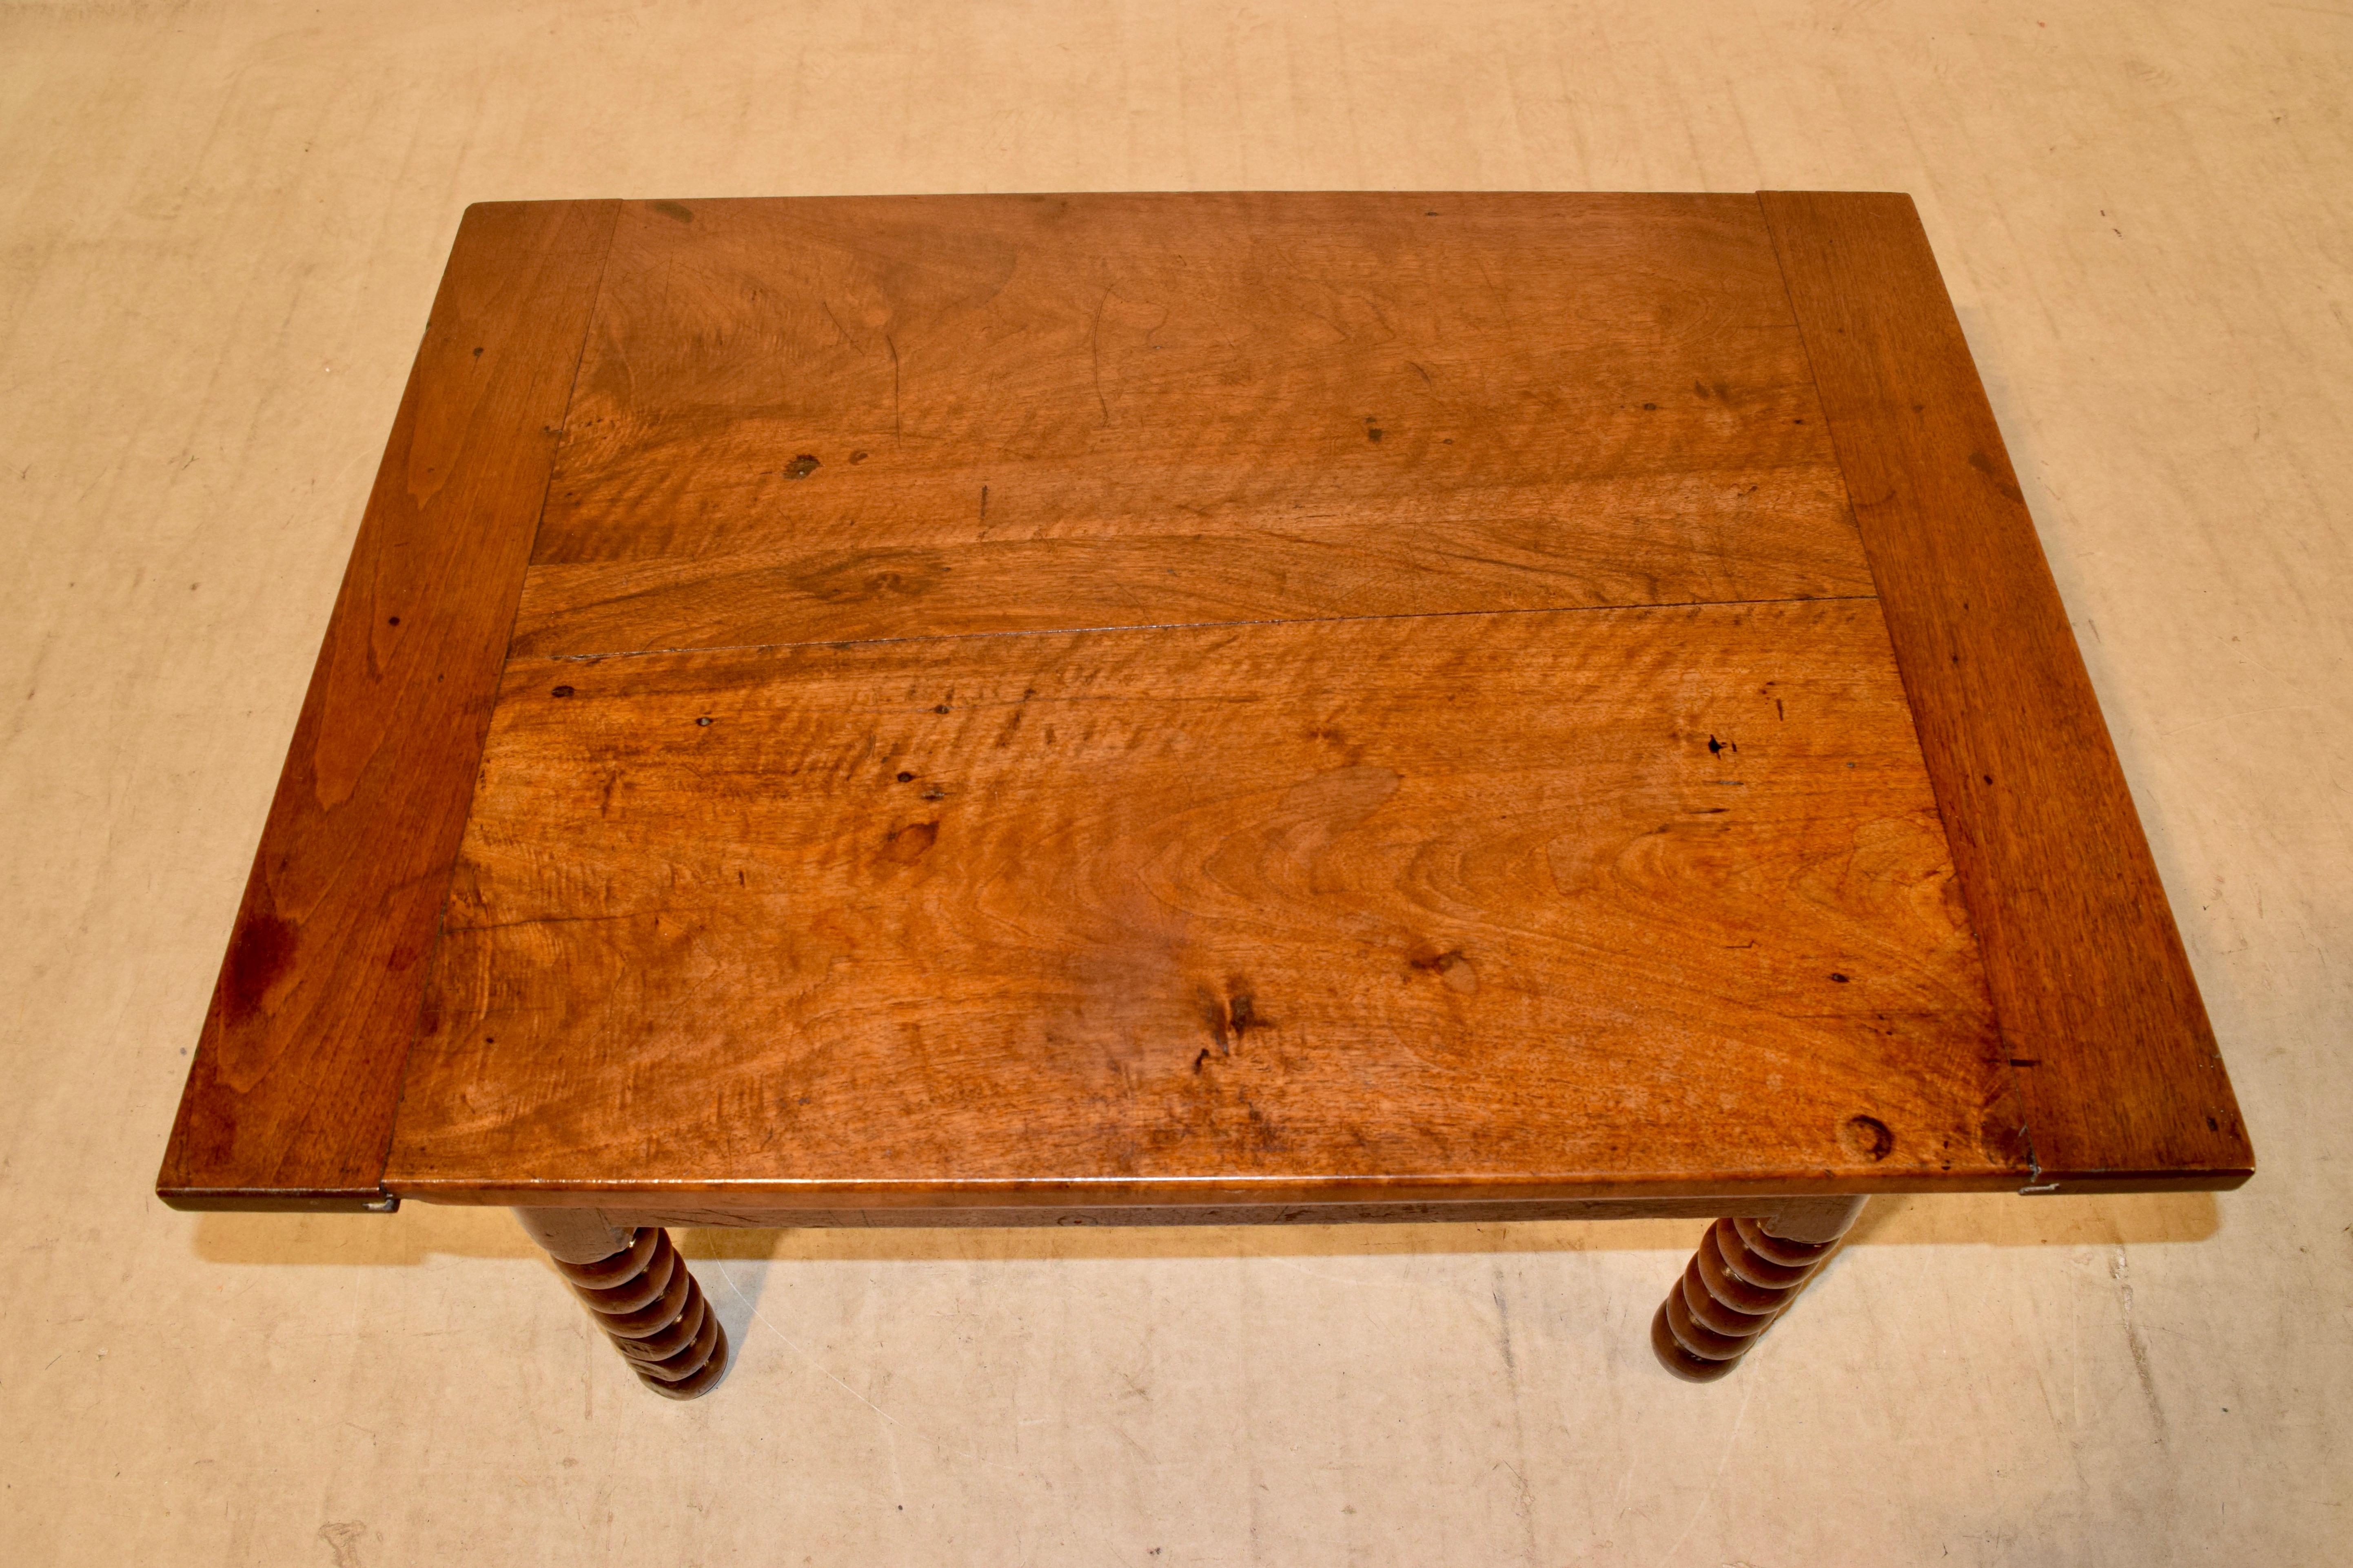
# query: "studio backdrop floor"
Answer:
x=220 y=231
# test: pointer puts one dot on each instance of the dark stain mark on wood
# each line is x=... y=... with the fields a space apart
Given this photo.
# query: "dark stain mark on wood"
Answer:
x=1866 y=1138
x=1449 y=966
x=257 y=958
x=1213 y=1014
x=2001 y=481
x=907 y=845
x=1232 y=1015
x=857 y=576
x=802 y=466
x=1241 y=1011
x=673 y=210
x=561 y=691
x=1333 y=736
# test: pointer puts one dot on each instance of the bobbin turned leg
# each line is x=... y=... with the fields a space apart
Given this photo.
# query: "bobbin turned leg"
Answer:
x=1746 y=1273
x=637 y=1287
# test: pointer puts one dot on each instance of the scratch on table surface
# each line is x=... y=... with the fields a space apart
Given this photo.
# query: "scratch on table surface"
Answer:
x=1094 y=353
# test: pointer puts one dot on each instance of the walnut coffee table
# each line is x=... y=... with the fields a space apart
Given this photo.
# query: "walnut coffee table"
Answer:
x=1171 y=708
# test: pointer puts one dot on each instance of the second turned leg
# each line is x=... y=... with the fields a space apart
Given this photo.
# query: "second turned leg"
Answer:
x=1744 y=1274
x=637 y=1287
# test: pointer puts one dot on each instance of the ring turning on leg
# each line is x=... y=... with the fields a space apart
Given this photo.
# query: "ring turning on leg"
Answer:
x=637 y=1287
x=1742 y=1279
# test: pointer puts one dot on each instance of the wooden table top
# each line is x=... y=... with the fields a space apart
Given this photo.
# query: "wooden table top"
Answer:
x=1208 y=698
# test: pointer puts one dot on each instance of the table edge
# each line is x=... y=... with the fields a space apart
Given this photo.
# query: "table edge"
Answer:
x=2120 y=1080
x=1083 y=1193
x=290 y=1098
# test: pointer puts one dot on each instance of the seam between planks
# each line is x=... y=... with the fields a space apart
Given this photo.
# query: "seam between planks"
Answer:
x=1813 y=377
x=1187 y=625
x=441 y=911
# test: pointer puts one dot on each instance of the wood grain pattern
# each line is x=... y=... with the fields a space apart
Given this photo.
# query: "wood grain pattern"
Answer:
x=1568 y=904
x=831 y=419
x=291 y=1099
x=2119 y=1077
x=1272 y=572
x=1184 y=704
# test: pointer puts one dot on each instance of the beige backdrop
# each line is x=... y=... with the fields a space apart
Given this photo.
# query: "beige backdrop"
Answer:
x=220 y=228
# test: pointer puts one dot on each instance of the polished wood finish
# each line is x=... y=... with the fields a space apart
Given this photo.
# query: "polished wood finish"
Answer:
x=1744 y=1274
x=1606 y=901
x=290 y=1102
x=648 y=1303
x=576 y=1234
x=2120 y=1083
x=1125 y=709
x=936 y=415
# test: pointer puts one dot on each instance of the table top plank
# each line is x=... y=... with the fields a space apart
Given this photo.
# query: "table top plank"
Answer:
x=291 y=1099
x=1598 y=902
x=1749 y=550
x=835 y=419
x=2119 y=1076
